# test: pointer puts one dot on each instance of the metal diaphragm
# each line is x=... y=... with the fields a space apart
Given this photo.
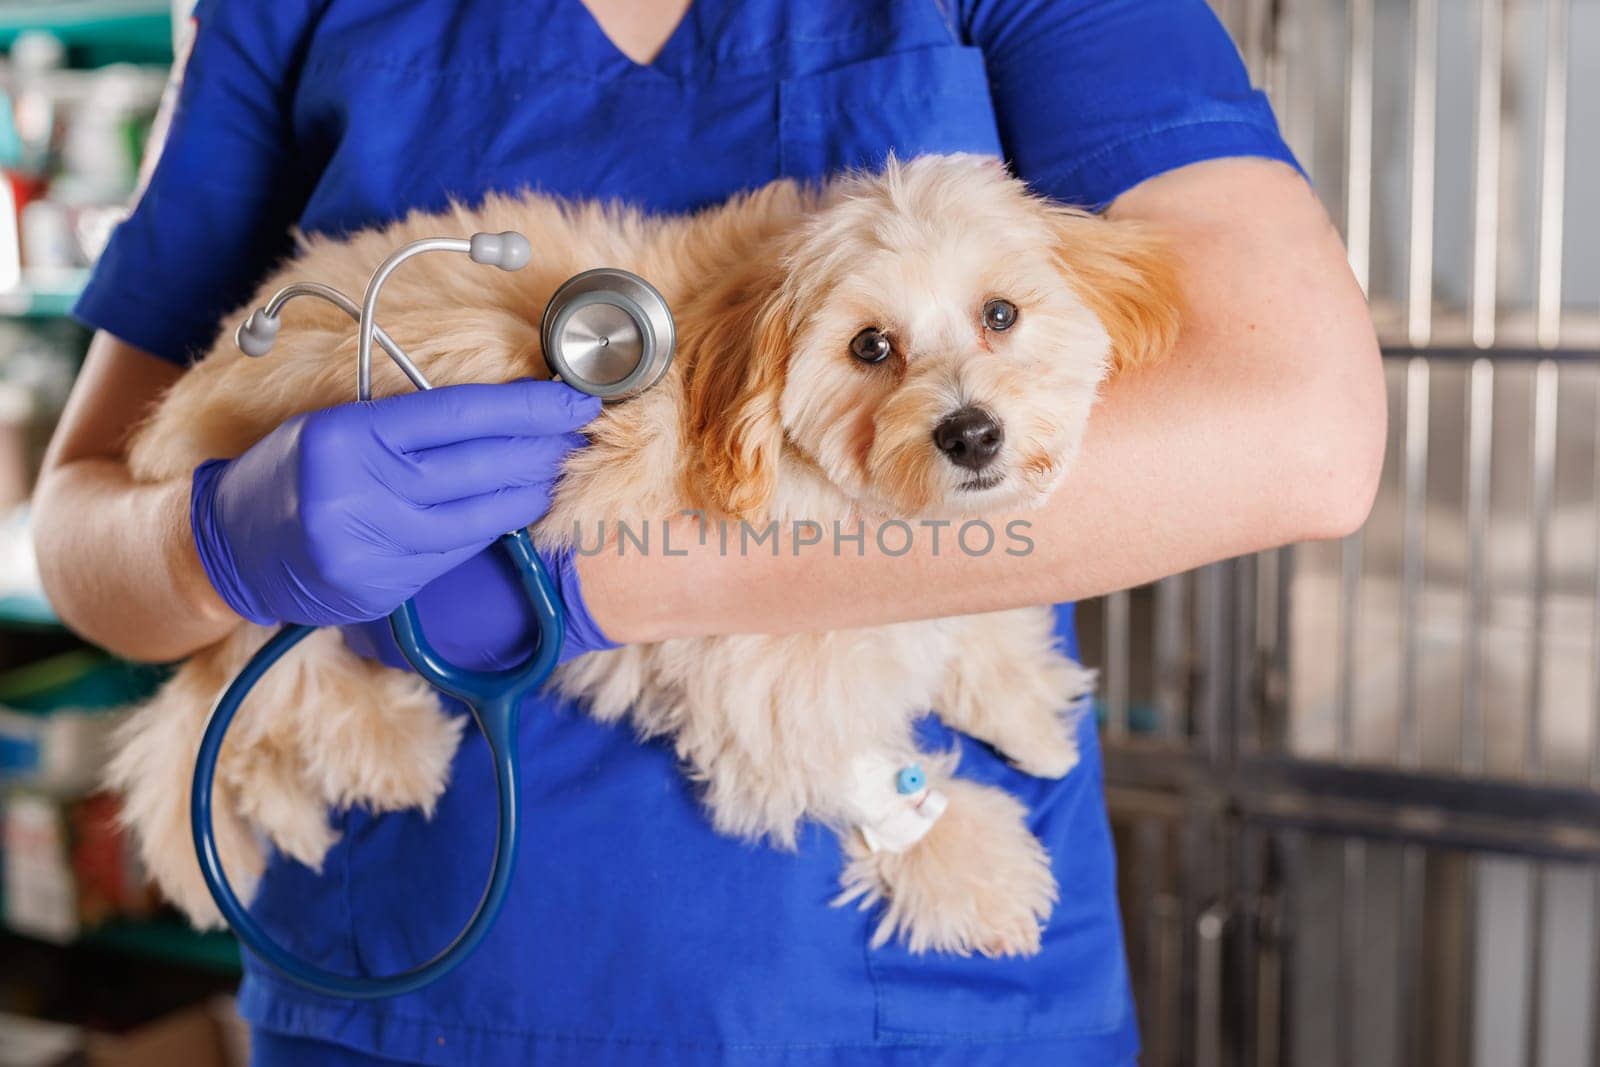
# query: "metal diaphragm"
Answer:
x=609 y=333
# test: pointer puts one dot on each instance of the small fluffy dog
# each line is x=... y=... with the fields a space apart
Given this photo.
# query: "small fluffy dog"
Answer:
x=925 y=341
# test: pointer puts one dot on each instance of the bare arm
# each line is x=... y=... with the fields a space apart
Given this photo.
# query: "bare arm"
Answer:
x=1266 y=427
x=117 y=558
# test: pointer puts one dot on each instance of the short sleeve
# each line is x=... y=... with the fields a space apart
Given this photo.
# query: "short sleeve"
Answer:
x=1094 y=96
x=217 y=209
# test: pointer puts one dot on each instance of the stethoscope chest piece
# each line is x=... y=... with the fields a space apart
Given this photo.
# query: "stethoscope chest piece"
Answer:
x=608 y=333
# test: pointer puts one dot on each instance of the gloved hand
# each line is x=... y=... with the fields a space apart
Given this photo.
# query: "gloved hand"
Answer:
x=340 y=515
x=478 y=617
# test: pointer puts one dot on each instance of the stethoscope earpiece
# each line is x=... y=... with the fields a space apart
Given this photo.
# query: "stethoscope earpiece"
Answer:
x=256 y=333
x=507 y=250
x=606 y=332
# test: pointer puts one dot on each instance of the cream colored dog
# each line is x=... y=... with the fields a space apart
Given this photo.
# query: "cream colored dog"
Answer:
x=926 y=341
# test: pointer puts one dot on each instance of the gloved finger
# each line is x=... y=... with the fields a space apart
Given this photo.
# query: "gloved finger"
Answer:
x=476 y=616
x=373 y=640
x=448 y=527
x=453 y=413
x=482 y=465
x=448 y=560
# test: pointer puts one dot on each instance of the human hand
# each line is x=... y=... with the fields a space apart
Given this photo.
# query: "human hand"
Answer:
x=478 y=617
x=340 y=515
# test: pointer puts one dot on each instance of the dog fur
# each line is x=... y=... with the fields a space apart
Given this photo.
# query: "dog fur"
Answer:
x=764 y=415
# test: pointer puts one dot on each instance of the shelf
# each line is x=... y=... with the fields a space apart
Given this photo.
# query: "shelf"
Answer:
x=28 y=613
x=82 y=680
x=102 y=31
x=168 y=940
x=47 y=299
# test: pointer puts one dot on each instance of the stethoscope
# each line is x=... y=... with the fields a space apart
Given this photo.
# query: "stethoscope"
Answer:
x=606 y=332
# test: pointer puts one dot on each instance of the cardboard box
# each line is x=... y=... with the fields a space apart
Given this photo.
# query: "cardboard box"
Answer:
x=201 y=1036
x=189 y=1038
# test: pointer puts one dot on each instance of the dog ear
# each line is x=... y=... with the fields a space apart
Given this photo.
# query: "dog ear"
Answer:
x=738 y=347
x=1128 y=277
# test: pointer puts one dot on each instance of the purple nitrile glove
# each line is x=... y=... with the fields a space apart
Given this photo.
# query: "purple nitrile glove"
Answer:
x=478 y=617
x=338 y=516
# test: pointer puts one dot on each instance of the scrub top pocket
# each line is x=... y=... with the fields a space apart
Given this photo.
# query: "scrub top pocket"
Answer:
x=922 y=102
x=1077 y=986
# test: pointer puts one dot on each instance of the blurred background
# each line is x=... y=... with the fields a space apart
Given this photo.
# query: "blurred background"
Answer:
x=92 y=969
x=1355 y=785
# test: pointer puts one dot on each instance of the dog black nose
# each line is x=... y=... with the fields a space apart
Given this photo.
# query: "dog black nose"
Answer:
x=969 y=438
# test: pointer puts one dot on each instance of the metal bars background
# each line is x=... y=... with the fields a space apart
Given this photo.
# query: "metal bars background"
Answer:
x=1356 y=786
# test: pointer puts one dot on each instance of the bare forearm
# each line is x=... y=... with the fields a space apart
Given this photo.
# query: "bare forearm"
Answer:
x=1265 y=427
x=119 y=563
x=117 y=558
x=1147 y=498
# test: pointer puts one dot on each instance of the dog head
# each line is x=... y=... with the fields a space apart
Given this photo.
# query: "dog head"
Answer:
x=931 y=339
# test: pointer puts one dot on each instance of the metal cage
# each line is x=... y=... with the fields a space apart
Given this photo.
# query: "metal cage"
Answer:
x=1356 y=785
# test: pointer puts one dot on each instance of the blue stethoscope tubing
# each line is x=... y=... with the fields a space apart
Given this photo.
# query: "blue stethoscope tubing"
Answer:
x=492 y=697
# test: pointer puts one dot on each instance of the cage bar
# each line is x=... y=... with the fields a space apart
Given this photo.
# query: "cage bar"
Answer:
x=1594 y=657
x=1408 y=962
x=1119 y=667
x=1171 y=652
x=1349 y=613
x=1486 y=175
x=1466 y=1037
x=1352 y=931
x=1480 y=437
x=1533 y=1020
x=1552 y=174
x=1424 y=154
x=1545 y=383
x=1358 y=142
x=1594 y=969
x=1414 y=491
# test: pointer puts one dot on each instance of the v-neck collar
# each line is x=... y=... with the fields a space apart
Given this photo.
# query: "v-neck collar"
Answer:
x=672 y=59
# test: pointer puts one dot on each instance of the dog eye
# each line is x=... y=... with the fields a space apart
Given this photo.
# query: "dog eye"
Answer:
x=871 y=345
x=999 y=315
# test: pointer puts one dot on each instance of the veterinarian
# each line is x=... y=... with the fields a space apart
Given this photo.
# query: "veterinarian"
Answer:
x=636 y=934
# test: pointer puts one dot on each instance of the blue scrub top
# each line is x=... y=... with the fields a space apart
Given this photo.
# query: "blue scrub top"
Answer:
x=635 y=934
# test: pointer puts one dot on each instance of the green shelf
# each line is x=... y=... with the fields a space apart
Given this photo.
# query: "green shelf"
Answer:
x=84 y=679
x=49 y=301
x=28 y=613
x=168 y=940
x=96 y=31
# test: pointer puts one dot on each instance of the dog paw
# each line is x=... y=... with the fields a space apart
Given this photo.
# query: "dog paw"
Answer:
x=175 y=868
x=272 y=794
x=1031 y=717
x=1052 y=755
x=979 y=882
x=385 y=743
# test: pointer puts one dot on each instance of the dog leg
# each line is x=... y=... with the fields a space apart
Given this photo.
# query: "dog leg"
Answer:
x=1012 y=688
x=151 y=772
x=323 y=728
x=367 y=734
x=977 y=881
